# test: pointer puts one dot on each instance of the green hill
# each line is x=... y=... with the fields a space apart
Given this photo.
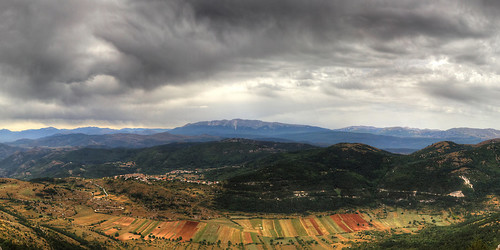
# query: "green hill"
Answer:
x=98 y=162
x=440 y=148
x=355 y=174
x=317 y=179
x=291 y=177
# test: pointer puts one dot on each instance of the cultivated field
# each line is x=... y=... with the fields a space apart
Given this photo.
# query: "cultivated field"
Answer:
x=320 y=231
x=77 y=209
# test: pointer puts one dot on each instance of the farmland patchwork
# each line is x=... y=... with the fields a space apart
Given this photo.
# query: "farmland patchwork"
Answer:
x=329 y=230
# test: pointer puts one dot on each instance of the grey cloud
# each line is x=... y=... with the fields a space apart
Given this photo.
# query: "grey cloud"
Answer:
x=352 y=89
x=174 y=42
x=327 y=22
x=354 y=86
x=43 y=47
x=453 y=89
x=38 y=40
x=402 y=20
x=158 y=43
x=77 y=53
x=266 y=89
x=473 y=57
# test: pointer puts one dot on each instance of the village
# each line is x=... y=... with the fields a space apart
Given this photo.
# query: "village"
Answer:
x=189 y=176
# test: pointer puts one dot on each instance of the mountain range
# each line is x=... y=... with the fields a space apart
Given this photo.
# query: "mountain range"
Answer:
x=458 y=133
x=9 y=136
x=244 y=128
x=393 y=139
x=110 y=140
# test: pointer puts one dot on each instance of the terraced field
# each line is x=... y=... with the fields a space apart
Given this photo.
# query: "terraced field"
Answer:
x=322 y=231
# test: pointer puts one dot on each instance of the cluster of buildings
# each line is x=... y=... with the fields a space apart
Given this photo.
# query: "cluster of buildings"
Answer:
x=135 y=176
x=188 y=176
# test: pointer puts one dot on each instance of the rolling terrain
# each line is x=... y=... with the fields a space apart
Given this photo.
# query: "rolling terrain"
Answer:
x=109 y=141
x=119 y=213
x=10 y=136
x=99 y=162
x=286 y=177
x=246 y=194
x=6 y=150
x=343 y=175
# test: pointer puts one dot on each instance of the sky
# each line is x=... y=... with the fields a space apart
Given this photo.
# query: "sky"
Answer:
x=164 y=63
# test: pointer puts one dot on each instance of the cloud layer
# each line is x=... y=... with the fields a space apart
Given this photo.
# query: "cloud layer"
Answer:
x=331 y=63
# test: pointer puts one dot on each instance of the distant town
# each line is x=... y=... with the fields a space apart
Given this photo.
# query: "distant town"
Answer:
x=189 y=176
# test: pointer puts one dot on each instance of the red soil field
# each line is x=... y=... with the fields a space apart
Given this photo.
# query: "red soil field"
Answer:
x=175 y=230
x=188 y=230
x=316 y=226
x=247 y=237
x=355 y=222
x=339 y=222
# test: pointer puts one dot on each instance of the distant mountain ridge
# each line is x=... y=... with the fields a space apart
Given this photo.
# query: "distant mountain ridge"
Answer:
x=394 y=139
x=482 y=134
x=243 y=127
x=110 y=140
x=10 y=136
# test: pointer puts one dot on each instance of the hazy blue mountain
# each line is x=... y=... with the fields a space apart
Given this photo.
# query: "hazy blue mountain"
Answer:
x=244 y=128
x=398 y=139
x=105 y=131
x=9 y=136
x=330 y=137
x=393 y=139
x=110 y=140
x=467 y=135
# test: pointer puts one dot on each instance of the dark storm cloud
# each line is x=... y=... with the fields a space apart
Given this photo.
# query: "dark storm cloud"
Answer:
x=323 y=22
x=77 y=53
x=171 y=42
x=44 y=48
